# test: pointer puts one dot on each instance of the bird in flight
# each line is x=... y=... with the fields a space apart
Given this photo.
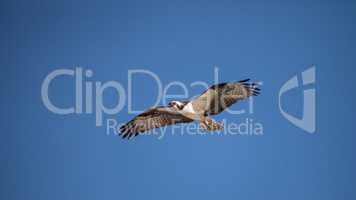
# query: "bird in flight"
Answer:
x=212 y=102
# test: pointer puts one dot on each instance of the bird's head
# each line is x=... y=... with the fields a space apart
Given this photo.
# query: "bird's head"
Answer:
x=176 y=104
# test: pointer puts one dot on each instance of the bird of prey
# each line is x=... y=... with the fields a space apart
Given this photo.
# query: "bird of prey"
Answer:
x=211 y=102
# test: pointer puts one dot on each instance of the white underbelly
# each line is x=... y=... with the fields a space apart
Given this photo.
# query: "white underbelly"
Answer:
x=189 y=108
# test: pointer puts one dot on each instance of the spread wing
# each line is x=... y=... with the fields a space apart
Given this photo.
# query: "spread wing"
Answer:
x=152 y=118
x=221 y=96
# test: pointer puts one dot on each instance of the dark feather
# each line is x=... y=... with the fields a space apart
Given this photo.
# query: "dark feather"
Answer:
x=221 y=96
x=150 y=119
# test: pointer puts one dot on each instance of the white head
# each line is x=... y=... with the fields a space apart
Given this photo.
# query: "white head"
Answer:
x=176 y=104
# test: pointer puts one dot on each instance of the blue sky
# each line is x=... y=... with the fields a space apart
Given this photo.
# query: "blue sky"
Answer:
x=49 y=156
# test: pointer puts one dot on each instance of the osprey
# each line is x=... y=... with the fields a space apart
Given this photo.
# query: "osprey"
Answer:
x=213 y=101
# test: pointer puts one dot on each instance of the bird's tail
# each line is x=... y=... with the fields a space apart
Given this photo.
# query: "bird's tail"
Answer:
x=210 y=125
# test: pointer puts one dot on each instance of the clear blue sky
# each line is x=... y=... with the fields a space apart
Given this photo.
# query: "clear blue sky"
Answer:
x=48 y=156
